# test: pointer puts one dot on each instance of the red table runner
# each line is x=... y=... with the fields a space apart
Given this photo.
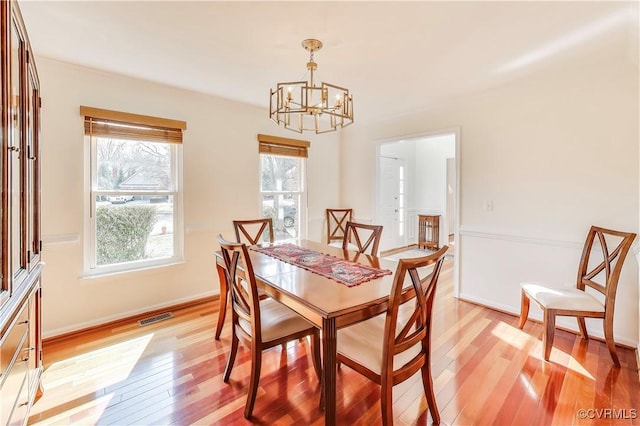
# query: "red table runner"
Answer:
x=340 y=270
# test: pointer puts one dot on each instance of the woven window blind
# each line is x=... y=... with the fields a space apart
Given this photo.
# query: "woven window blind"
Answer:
x=124 y=125
x=275 y=145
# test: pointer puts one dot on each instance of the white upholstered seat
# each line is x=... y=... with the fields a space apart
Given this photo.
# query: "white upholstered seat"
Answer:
x=562 y=298
x=361 y=342
x=277 y=321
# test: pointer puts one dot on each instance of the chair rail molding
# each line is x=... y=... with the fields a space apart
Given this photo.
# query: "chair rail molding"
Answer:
x=471 y=233
x=60 y=239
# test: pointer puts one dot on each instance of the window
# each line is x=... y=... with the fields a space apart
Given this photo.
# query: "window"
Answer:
x=134 y=218
x=283 y=184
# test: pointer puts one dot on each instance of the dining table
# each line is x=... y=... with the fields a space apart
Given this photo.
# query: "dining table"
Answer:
x=324 y=301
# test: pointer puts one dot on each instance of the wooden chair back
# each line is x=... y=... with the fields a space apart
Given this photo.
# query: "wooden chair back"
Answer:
x=254 y=231
x=245 y=299
x=336 y=223
x=363 y=237
x=408 y=325
x=604 y=276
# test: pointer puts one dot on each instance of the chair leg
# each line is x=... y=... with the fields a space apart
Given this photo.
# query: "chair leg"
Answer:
x=549 y=332
x=315 y=353
x=611 y=344
x=232 y=358
x=256 y=364
x=583 y=328
x=427 y=384
x=224 y=296
x=386 y=400
x=524 y=309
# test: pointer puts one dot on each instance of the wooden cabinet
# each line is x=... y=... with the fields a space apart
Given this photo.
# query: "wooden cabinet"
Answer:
x=20 y=261
x=429 y=231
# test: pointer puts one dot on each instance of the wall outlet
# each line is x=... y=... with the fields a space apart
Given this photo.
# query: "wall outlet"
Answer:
x=488 y=205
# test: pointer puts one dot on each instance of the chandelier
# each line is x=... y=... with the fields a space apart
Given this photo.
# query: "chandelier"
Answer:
x=303 y=105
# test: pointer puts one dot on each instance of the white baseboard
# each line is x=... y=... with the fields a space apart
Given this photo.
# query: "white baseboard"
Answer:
x=104 y=320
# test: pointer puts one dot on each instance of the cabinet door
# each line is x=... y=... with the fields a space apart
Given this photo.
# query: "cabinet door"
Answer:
x=33 y=164
x=5 y=120
x=17 y=159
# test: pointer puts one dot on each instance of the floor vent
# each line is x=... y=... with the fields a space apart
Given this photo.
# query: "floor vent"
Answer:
x=155 y=318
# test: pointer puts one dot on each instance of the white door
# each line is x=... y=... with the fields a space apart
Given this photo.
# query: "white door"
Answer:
x=392 y=202
x=451 y=198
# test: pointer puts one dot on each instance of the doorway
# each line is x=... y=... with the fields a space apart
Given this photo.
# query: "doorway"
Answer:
x=417 y=175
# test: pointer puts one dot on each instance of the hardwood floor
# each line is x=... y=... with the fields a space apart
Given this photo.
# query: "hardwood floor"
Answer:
x=485 y=371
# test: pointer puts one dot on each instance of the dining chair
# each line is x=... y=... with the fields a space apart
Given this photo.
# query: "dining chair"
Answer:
x=336 y=225
x=356 y=233
x=599 y=270
x=258 y=323
x=254 y=231
x=394 y=345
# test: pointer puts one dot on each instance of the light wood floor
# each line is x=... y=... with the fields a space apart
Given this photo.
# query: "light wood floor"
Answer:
x=486 y=371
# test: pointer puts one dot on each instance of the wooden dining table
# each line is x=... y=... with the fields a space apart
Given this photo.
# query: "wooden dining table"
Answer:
x=326 y=303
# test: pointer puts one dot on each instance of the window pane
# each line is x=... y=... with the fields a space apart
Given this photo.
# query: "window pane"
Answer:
x=280 y=173
x=284 y=210
x=132 y=228
x=133 y=165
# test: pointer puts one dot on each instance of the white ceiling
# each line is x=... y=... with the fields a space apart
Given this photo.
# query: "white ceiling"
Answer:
x=395 y=57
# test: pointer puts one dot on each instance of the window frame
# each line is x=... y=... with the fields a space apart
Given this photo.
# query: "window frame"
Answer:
x=290 y=148
x=90 y=267
x=302 y=196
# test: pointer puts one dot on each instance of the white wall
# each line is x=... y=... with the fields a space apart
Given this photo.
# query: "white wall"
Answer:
x=220 y=183
x=431 y=174
x=555 y=152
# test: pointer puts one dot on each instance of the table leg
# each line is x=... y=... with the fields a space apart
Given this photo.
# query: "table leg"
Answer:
x=224 y=296
x=329 y=370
